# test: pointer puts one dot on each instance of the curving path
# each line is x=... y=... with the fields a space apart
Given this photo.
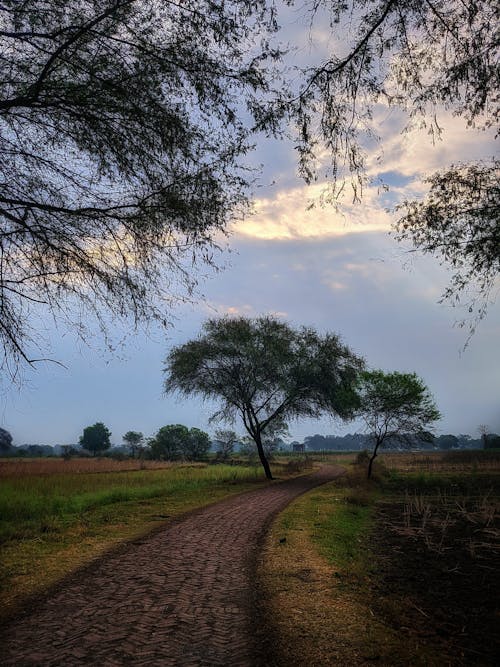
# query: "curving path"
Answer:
x=182 y=596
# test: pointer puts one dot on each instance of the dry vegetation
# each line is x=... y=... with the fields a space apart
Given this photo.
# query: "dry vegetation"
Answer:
x=54 y=466
x=401 y=572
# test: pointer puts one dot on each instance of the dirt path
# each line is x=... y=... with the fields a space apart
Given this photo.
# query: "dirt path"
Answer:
x=182 y=596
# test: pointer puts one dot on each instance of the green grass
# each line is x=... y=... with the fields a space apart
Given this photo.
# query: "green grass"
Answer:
x=52 y=524
x=339 y=515
x=30 y=503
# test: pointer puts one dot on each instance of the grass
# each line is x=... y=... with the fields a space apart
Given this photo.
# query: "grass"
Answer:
x=31 y=503
x=314 y=576
x=356 y=572
x=53 y=523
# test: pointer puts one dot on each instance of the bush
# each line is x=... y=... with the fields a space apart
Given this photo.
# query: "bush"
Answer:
x=363 y=457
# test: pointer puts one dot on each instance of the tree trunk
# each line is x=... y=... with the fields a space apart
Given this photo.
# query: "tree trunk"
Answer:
x=262 y=456
x=373 y=457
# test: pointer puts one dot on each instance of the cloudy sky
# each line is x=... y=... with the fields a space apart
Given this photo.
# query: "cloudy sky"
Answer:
x=338 y=271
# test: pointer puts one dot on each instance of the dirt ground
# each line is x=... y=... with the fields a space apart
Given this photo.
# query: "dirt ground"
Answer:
x=438 y=578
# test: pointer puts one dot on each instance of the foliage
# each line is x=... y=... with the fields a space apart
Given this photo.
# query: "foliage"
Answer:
x=416 y=56
x=134 y=440
x=5 y=440
x=422 y=58
x=447 y=441
x=394 y=406
x=459 y=222
x=176 y=442
x=123 y=125
x=266 y=373
x=95 y=438
x=225 y=440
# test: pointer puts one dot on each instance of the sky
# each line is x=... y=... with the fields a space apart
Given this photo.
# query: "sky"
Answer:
x=337 y=271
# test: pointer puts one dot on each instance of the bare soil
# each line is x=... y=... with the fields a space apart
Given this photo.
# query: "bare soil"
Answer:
x=437 y=578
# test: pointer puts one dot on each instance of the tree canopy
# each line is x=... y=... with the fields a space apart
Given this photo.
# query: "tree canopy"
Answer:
x=265 y=373
x=134 y=440
x=419 y=57
x=176 y=441
x=122 y=128
x=95 y=438
x=5 y=440
x=459 y=221
x=395 y=406
x=424 y=59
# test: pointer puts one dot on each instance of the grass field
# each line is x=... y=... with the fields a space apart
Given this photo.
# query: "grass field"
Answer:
x=58 y=515
x=401 y=571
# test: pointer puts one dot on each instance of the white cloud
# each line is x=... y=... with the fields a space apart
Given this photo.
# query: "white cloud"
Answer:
x=286 y=216
x=414 y=154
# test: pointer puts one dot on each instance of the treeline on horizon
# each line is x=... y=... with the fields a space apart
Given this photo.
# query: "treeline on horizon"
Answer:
x=360 y=441
x=313 y=443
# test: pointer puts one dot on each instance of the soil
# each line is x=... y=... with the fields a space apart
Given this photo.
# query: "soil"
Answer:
x=436 y=577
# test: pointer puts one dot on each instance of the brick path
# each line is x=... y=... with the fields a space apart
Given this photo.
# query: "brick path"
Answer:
x=182 y=596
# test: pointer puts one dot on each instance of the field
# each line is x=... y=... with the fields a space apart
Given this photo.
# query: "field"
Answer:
x=404 y=570
x=58 y=515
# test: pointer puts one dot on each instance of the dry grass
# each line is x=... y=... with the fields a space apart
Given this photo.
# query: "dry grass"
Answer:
x=55 y=466
x=442 y=462
x=320 y=613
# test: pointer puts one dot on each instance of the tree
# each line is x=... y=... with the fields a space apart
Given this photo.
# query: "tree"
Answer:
x=176 y=441
x=168 y=442
x=197 y=445
x=394 y=406
x=225 y=440
x=459 y=222
x=5 y=440
x=492 y=441
x=134 y=440
x=122 y=138
x=419 y=57
x=266 y=373
x=447 y=441
x=95 y=438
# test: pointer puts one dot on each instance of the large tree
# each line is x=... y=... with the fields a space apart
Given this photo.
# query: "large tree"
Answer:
x=265 y=372
x=121 y=137
x=394 y=407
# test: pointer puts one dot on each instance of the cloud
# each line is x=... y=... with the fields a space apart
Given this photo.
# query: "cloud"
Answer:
x=287 y=215
x=414 y=154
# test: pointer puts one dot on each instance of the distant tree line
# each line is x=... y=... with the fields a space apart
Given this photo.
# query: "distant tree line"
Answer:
x=360 y=441
x=177 y=442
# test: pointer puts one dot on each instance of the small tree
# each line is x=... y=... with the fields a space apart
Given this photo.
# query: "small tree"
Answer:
x=266 y=373
x=492 y=441
x=134 y=440
x=225 y=440
x=95 y=438
x=395 y=406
